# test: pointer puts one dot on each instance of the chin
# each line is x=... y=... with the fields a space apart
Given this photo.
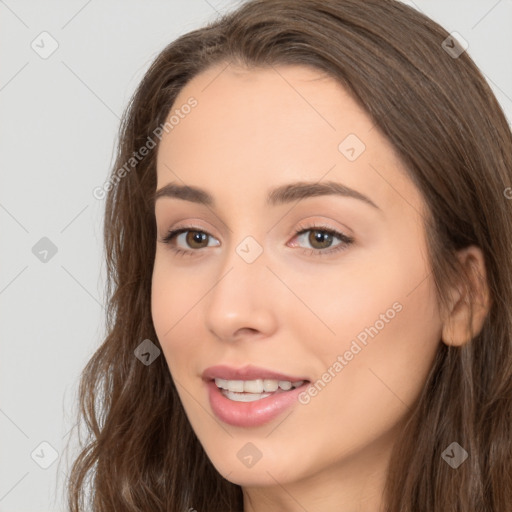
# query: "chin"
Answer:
x=241 y=470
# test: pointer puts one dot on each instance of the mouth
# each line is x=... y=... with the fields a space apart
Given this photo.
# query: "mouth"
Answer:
x=251 y=396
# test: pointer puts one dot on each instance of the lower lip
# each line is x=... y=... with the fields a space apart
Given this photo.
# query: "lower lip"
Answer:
x=251 y=414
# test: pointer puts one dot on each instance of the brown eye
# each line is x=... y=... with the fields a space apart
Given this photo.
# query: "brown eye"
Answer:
x=320 y=239
x=188 y=240
x=196 y=237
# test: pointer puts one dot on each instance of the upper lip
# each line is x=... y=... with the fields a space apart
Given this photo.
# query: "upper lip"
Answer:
x=248 y=372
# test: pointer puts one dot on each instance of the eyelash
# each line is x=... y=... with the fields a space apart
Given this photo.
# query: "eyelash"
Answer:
x=346 y=241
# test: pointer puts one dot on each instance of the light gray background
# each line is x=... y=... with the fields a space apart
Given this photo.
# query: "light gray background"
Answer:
x=59 y=122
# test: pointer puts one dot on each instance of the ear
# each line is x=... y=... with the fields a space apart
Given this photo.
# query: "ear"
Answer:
x=455 y=327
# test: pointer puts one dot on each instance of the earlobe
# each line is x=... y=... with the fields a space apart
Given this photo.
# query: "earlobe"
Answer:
x=465 y=322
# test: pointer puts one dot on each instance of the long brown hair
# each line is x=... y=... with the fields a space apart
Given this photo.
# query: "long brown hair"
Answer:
x=437 y=110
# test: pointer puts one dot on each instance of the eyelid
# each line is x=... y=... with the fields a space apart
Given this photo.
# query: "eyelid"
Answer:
x=321 y=225
x=190 y=225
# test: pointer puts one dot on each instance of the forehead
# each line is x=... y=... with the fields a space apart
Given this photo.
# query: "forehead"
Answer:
x=261 y=127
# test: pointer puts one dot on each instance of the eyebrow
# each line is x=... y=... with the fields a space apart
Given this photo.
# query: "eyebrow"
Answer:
x=280 y=195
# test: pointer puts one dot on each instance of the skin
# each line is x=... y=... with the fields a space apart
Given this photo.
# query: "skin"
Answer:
x=290 y=310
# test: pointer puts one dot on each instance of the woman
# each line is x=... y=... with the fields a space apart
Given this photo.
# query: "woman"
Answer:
x=308 y=239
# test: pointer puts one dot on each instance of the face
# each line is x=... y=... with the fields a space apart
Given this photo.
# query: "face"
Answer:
x=300 y=263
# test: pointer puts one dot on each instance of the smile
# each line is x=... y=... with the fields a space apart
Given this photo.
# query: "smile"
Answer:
x=251 y=396
x=252 y=390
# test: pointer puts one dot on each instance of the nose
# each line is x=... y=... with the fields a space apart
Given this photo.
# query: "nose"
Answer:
x=243 y=301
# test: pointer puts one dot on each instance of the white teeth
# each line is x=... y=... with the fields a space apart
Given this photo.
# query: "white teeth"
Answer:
x=257 y=386
x=285 y=384
x=245 y=397
x=236 y=385
x=270 y=385
x=221 y=383
x=253 y=386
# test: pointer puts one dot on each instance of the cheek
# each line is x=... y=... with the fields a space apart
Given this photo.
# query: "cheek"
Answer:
x=388 y=332
x=173 y=315
x=384 y=364
x=404 y=355
x=386 y=293
x=363 y=300
x=383 y=310
x=174 y=293
x=163 y=301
